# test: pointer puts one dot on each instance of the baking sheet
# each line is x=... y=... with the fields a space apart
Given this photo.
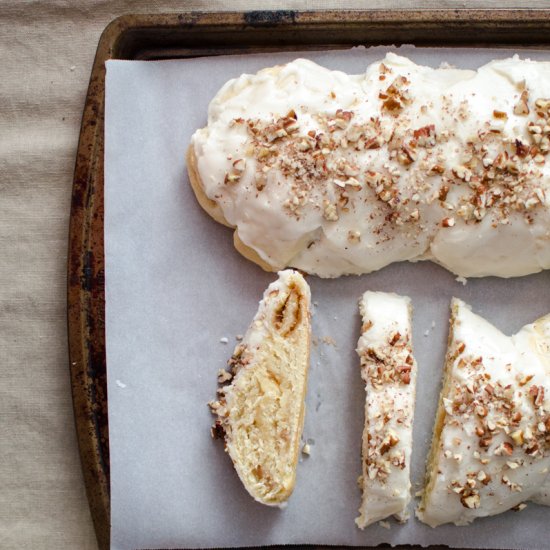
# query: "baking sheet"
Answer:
x=175 y=289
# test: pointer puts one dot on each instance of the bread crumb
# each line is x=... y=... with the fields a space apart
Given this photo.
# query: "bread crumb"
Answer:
x=306 y=449
x=239 y=337
x=462 y=280
x=329 y=341
x=224 y=376
x=385 y=524
x=224 y=339
x=120 y=384
x=427 y=332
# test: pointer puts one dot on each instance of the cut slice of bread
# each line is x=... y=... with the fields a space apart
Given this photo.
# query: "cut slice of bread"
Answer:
x=260 y=410
x=388 y=369
x=491 y=441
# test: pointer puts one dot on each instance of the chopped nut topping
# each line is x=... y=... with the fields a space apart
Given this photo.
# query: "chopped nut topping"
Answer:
x=500 y=114
x=396 y=96
x=330 y=213
x=537 y=393
x=483 y=477
x=520 y=507
x=425 y=136
x=239 y=165
x=366 y=326
x=481 y=411
x=504 y=449
x=391 y=440
x=232 y=178
x=522 y=106
x=485 y=442
x=443 y=191
x=436 y=169
x=471 y=501
x=524 y=379
x=517 y=436
x=354 y=236
x=224 y=376
x=462 y=172
x=406 y=156
x=543 y=104
x=390 y=364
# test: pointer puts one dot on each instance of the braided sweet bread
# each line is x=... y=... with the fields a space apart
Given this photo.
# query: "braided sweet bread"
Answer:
x=337 y=174
x=261 y=406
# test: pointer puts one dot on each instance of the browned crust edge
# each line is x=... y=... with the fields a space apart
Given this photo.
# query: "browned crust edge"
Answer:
x=306 y=326
x=432 y=461
x=209 y=206
x=214 y=211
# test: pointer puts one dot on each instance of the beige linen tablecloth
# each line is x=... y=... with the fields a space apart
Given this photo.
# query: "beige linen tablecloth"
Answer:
x=47 y=48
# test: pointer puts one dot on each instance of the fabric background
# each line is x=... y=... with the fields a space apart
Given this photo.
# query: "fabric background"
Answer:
x=47 y=48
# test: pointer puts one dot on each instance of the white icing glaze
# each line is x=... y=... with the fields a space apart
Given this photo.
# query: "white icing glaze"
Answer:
x=513 y=366
x=389 y=405
x=459 y=103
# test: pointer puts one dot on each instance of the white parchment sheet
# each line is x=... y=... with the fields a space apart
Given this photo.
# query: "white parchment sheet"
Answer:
x=175 y=286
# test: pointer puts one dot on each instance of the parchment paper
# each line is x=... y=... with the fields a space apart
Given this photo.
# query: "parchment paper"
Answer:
x=175 y=286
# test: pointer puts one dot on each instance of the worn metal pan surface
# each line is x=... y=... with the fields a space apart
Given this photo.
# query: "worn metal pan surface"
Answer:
x=195 y=34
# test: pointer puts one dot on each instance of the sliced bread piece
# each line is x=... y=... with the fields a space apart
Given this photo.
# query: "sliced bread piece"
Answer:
x=388 y=369
x=491 y=442
x=260 y=409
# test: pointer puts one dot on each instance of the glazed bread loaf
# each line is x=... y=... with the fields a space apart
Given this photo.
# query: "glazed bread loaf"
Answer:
x=337 y=174
x=491 y=443
x=260 y=408
x=388 y=369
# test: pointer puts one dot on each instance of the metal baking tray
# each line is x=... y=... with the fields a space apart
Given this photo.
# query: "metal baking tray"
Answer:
x=193 y=34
